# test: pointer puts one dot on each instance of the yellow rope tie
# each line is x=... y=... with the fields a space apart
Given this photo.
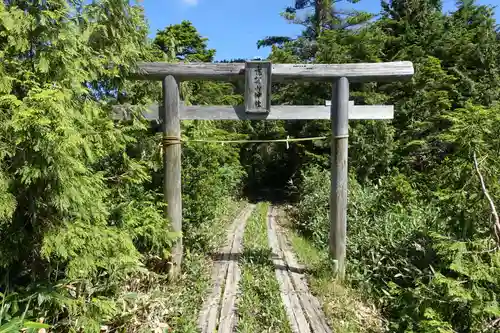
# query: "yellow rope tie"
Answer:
x=170 y=140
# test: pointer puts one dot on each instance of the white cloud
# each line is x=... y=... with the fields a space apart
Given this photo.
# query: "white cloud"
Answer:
x=190 y=2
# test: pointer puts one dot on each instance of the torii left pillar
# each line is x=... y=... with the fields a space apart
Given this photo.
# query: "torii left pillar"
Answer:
x=172 y=191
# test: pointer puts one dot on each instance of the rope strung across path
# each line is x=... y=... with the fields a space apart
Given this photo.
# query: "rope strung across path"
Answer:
x=170 y=140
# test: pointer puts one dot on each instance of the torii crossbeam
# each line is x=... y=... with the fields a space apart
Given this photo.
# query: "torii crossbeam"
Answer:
x=258 y=76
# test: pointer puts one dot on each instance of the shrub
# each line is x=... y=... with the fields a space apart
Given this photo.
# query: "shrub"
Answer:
x=400 y=256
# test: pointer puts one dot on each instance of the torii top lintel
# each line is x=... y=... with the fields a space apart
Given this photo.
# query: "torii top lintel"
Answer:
x=355 y=72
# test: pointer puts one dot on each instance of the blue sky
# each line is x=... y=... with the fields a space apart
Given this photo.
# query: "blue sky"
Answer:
x=233 y=27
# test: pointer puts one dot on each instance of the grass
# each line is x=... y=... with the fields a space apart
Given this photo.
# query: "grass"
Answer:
x=152 y=303
x=344 y=308
x=260 y=307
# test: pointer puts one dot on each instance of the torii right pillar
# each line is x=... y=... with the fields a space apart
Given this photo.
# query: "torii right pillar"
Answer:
x=339 y=174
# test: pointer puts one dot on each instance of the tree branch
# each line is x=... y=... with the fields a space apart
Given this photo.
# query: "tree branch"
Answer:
x=496 y=225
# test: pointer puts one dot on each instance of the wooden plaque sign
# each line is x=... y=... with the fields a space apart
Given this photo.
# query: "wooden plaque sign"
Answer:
x=258 y=86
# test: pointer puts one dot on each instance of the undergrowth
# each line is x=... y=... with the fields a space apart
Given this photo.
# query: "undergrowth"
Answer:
x=402 y=257
x=153 y=303
x=345 y=309
x=143 y=302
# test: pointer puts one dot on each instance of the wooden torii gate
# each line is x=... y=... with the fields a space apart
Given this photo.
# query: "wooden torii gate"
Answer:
x=258 y=76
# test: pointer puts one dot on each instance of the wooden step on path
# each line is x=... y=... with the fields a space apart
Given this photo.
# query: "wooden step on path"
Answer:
x=218 y=313
x=303 y=309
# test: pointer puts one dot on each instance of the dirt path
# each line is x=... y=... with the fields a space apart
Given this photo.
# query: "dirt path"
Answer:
x=303 y=309
x=218 y=311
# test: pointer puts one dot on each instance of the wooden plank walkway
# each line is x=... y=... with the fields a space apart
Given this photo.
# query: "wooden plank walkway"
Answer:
x=303 y=309
x=218 y=313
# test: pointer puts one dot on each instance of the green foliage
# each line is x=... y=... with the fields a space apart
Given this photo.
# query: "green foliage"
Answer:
x=15 y=324
x=312 y=209
x=211 y=173
x=424 y=280
x=7 y=200
x=56 y=126
x=58 y=184
x=81 y=212
x=344 y=308
x=420 y=239
x=87 y=249
x=184 y=42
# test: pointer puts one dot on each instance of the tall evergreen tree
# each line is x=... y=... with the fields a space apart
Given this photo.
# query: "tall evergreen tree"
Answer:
x=184 y=42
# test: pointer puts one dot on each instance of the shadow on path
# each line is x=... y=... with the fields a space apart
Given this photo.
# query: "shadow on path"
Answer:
x=257 y=257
